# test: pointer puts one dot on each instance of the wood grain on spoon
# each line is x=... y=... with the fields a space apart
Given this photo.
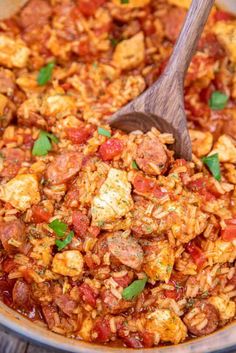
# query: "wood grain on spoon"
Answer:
x=162 y=105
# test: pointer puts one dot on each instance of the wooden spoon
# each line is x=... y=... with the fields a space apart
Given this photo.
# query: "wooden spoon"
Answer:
x=162 y=105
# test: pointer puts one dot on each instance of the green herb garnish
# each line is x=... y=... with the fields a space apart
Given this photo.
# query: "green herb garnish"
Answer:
x=43 y=144
x=212 y=162
x=61 y=244
x=218 y=100
x=134 y=289
x=104 y=132
x=124 y=1
x=45 y=73
x=114 y=42
x=60 y=229
x=134 y=165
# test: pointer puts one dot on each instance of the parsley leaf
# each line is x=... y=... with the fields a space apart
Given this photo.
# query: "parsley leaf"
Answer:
x=58 y=227
x=104 y=132
x=61 y=244
x=43 y=143
x=124 y=1
x=45 y=73
x=218 y=100
x=212 y=162
x=134 y=289
x=134 y=165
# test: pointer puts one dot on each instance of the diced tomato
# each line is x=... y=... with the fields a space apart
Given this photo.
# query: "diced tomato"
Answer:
x=196 y=253
x=83 y=48
x=88 y=294
x=133 y=341
x=176 y=293
x=204 y=187
x=88 y=8
x=110 y=149
x=28 y=140
x=39 y=214
x=66 y=86
x=221 y=15
x=78 y=136
x=142 y=184
x=80 y=223
x=103 y=330
x=148 y=339
x=229 y=233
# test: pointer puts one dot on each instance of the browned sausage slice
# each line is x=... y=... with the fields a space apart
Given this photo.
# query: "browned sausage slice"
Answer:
x=21 y=294
x=14 y=230
x=13 y=158
x=64 y=167
x=126 y=250
x=35 y=13
x=151 y=156
x=203 y=319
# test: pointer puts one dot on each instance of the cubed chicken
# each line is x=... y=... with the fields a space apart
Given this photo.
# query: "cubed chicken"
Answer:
x=225 y=32
x=131 y=3
x=226 y=149
x=58 y=105
x=181 y=3
x=169 y=326
x=13 y=52
x=130 y=52
x=201 y=142
x=159 y=261
x=86 y=328
x=222 y=251
x=225 y=306
x=21 y=192
x=114 y=199
x=68 y=263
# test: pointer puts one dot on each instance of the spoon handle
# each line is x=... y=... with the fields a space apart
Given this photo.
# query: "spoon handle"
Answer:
x=187 y=42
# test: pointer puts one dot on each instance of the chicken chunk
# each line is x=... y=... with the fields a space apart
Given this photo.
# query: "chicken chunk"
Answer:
x=226 y=35
x=21 y=192
x=126 y=249
x=131 y=3
x=201 y=142
x=226 y=149
x=68 y=263
x=58 y=106
x=167 y=324
x=86 y=328
x=225 y=306
x=13 y=53
x=222 y=251
x=159 y=261
x=181 y=3
x=130 y=52
x=114 y=199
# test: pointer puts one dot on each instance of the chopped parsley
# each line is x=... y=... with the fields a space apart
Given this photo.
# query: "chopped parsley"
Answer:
x=114 y=42
x=104 y=132
x=134 y=289
x=60 y=229
x=61 y=244
x=45 y=73
x=124 y=1
x=212 y=162
x=218 y=100
x=134 y=165
x=43 y=144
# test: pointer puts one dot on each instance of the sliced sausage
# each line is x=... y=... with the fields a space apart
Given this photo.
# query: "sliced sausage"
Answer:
x=66 y=304
x=151 y=156
x=114 y=305
x=12 y=230
x=35 y=14
x=126 y=250
x=21 y=294
x=203 y=319
x=64 y=167
x=13 y=158
x=50 y=315
x=173 y=22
